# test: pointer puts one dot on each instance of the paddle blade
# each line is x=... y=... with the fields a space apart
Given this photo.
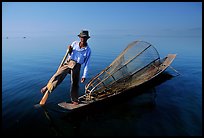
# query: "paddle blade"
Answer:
x=37 y=105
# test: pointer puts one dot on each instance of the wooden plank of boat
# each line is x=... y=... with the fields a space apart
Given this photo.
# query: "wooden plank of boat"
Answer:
x=70 y=106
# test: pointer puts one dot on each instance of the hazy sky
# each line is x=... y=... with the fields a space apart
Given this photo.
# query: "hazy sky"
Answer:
x=131 y=18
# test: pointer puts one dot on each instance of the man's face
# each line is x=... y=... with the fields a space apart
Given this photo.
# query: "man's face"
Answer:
x=83 y=39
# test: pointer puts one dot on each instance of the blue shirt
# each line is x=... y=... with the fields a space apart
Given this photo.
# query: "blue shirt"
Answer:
x=81 y=56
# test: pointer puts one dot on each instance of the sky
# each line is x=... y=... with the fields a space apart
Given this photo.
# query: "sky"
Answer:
x=101 y=18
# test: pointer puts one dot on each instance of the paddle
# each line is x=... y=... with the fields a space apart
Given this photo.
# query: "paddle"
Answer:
x=44 y=98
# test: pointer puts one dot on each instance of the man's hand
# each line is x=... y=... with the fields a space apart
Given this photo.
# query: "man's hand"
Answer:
x=70 y=49
x=83 y=79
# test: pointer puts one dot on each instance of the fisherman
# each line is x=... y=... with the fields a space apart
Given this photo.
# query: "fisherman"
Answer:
x=79 y=53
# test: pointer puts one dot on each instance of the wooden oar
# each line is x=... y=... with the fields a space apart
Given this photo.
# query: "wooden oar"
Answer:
x=45 y=96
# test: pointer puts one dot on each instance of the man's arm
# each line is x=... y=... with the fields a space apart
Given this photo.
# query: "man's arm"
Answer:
x=86 y=67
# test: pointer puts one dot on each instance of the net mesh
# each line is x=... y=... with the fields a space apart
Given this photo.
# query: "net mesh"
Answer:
x=131 y=62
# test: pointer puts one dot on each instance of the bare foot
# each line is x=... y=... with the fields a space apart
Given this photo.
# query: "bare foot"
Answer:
x=43 y=90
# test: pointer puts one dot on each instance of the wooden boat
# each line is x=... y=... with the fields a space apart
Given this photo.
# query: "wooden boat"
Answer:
x=138 y=63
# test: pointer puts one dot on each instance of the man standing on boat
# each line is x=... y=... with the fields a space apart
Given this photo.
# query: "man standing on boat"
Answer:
x=79 y=53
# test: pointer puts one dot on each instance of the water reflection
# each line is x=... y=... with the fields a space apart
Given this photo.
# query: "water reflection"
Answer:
x=134 y=103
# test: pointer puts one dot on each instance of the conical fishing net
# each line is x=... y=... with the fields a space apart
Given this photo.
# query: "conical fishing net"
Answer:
x=128 y=69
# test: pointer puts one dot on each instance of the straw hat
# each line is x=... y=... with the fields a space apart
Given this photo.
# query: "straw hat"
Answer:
x=84 y=33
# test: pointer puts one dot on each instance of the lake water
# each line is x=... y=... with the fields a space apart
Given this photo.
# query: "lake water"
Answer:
x=170 y=108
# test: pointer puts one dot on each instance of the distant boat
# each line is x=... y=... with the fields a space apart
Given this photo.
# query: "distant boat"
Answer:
x=7 y=37
x=24 y=37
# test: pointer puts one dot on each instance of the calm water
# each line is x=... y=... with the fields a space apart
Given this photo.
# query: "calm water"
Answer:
x=173 y=107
